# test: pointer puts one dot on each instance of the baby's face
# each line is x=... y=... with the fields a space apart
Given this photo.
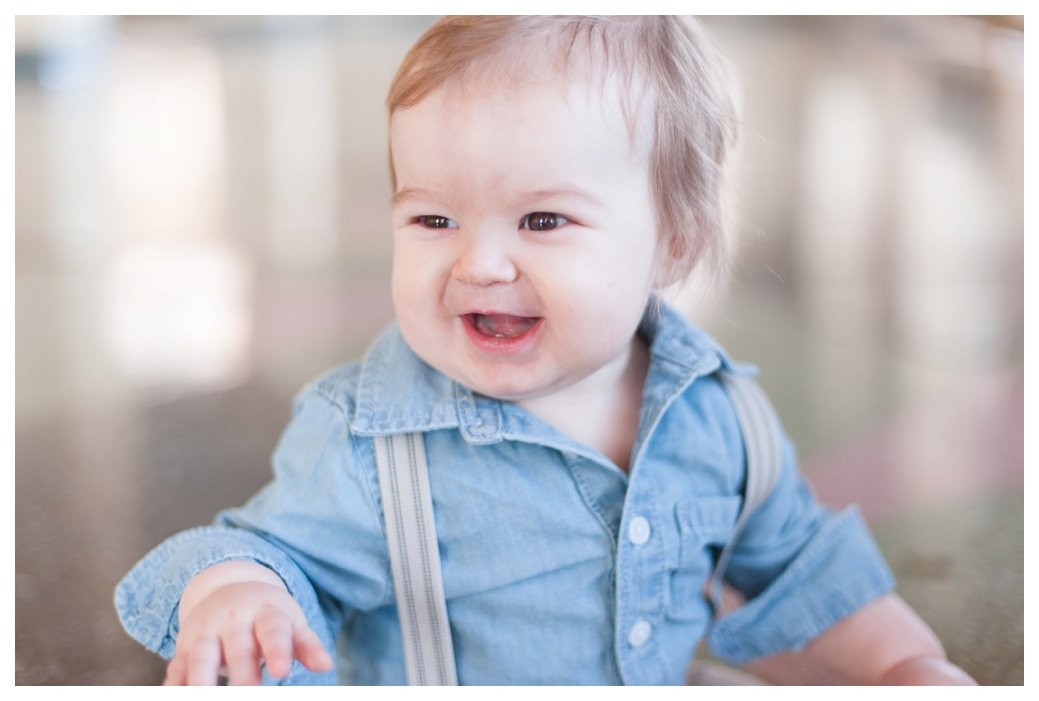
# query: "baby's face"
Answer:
x=524 y=235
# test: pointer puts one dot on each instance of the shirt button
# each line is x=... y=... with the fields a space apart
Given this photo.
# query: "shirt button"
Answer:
x=639 y=632
x=638 y=530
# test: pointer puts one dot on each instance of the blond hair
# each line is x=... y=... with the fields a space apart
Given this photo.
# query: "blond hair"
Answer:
x=692 y=117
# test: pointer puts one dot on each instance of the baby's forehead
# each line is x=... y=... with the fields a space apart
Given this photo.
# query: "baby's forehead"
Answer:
x=573 y=76
x=578 y=64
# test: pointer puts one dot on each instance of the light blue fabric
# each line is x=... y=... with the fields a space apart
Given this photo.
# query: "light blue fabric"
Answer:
x=544 y=584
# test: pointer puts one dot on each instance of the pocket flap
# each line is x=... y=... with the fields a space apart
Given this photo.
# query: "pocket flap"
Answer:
x=708 y=520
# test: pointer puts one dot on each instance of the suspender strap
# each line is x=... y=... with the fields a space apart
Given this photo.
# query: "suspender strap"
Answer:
x=415 y=559
x=412 y=539
x=760 y=429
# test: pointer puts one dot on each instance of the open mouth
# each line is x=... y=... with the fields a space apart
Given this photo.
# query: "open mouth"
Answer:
x=501 y=326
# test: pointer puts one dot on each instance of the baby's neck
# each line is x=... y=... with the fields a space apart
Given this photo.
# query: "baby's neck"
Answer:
x=601 y=412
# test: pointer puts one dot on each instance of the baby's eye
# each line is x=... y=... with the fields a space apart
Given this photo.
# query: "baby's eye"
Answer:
x=542 y=221
x=435 y=221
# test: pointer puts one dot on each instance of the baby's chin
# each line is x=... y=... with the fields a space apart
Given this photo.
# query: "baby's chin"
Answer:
x=508 y=384
x=502 y=389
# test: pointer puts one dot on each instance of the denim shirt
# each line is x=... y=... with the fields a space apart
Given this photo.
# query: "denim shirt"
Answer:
x=559 y=568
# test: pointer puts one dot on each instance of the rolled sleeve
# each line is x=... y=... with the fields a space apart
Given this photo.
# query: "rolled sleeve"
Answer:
x=147 y=599
x=839 y=570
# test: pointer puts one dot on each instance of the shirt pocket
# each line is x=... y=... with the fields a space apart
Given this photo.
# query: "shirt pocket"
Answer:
x=704 y=527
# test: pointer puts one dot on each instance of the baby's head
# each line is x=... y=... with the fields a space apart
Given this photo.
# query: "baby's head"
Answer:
x=549 y=174
x=675 y=93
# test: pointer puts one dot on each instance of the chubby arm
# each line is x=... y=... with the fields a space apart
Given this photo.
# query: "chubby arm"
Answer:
x=885 y=642
x=235 y=615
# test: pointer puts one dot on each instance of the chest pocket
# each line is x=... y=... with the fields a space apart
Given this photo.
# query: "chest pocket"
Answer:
x=704 y=527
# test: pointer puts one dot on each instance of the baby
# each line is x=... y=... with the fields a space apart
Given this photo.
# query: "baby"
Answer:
x=551 y=176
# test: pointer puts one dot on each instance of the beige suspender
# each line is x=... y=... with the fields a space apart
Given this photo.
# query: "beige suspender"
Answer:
x=760 y=430
x=412 y=539
x=415 y=559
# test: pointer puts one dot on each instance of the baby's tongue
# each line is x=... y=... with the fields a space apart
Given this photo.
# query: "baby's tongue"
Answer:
x=503 y=325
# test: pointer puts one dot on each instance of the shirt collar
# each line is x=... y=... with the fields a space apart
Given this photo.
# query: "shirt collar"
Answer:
x=399 y=393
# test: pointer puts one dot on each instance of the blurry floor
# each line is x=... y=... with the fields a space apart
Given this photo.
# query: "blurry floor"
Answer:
x=94 y=493
x=961 y=566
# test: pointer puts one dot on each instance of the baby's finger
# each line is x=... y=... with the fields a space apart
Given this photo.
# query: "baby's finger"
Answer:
x=274 y=634
x=203 y=661
x=176 y=672
x=242 y=656
x=309 y=650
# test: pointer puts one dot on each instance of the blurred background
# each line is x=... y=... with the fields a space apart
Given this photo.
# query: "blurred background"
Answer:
x=202 y=225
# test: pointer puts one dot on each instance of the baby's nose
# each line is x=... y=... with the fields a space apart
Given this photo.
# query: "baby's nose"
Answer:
x=484 y=260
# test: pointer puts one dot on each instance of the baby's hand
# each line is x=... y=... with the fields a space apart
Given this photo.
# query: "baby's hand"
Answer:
x=236 y=615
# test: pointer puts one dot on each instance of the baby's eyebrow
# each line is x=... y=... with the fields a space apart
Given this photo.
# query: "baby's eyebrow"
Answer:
x=564 y=191
x=407 y=194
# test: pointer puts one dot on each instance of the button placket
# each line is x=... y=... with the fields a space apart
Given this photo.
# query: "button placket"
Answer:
x=641 y=567
x=638 y=533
